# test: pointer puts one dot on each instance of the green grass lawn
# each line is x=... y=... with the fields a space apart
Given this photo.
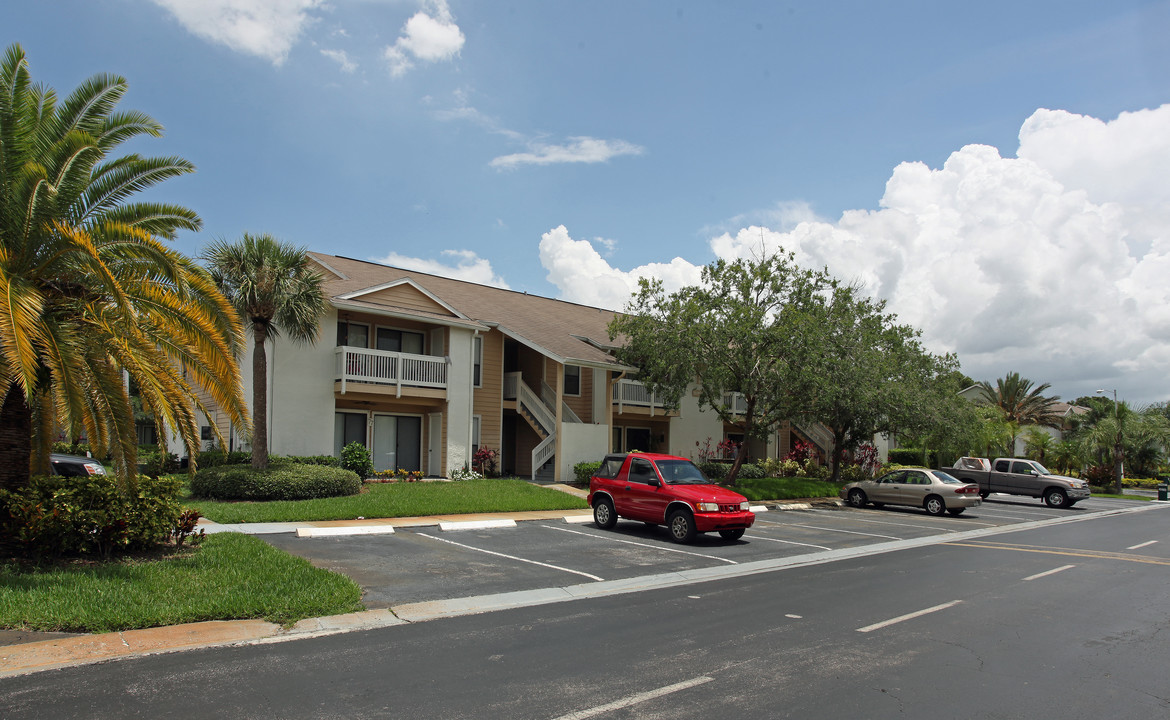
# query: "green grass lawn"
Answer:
x=387 y=500
x=790 y=488
x=228 y=577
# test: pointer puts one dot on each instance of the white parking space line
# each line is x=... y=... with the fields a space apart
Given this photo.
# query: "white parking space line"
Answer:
x=1050 y=572
x=851 y=532
x=910 y=616
x=635 y=699
x=786 y=542
x=513 y=557
x=996 y=512
x=1141 y=545
x=645 y=545
x=852 y=518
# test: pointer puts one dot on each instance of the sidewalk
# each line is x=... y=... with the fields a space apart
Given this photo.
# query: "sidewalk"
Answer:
x=26 y=652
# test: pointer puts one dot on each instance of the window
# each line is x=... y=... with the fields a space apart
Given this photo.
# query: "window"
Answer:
x=353 y=334
x=641 y=472
x=399 y=341
x=348 y=427
x=572 y=380
x=476 y=420
x=477 y=360
x=1001 y=465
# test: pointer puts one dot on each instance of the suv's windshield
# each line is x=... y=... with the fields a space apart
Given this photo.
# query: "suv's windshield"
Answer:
x=681 y=472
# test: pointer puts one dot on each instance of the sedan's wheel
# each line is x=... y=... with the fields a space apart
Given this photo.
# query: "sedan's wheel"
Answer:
x=956 y=511
x=857 y=498
x=682 y=526
x=731 y=535
x=1055 y=498
x=604 y=514
x=934 y=505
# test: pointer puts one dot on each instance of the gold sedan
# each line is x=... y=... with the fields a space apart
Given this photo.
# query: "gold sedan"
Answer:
x=932 y=490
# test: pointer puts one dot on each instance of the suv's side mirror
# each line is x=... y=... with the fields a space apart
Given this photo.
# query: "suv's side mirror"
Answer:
x=653 y=482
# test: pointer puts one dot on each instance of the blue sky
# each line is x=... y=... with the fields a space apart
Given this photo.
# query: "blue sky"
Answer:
x=994 y=170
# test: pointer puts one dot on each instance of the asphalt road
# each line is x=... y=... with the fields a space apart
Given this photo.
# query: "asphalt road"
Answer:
x=1068 y=620
x=426 y=564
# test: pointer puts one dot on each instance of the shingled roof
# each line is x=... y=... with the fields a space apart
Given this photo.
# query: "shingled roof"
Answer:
x=567 y=332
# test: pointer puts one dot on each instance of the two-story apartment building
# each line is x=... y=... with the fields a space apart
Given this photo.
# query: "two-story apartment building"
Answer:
x=424 y=370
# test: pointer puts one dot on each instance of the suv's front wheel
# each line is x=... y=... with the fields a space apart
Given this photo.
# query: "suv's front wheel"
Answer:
x=604 y=514
x=681 y=525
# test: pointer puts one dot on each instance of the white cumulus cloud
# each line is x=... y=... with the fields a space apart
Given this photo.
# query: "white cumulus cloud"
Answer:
x=265 y=28
x=426 y=37
x=462 y=265
x=342 y=59
x=583 y=276
x=1053 y=263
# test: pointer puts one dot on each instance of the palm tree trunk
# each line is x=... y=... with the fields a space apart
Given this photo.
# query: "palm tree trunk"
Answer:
x=15 y=439
x=259 y=398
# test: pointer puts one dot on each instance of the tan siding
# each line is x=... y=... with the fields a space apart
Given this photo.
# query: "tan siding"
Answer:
x=407 y=297
x=583 y=404
x=488 y=399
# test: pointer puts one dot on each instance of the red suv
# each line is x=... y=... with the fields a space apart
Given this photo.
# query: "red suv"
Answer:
x=666 y=490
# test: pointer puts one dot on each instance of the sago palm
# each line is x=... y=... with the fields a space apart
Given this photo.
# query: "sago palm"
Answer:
x=277 y=292
x=87 y=290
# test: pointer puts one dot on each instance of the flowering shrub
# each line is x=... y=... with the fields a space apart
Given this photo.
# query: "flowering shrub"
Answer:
x=399 y=475
x=801 y=451
x=728 y=449
x=465 y=474
x=866 y=457
x=485 y=459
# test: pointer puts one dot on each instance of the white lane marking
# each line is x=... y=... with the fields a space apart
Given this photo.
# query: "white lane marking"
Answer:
x=850 y=518
x=635 y=699
x=794 y=617
x=513 y=557
x=911 y=616
x=787 y=542
x=1141 y=545
x=631 y=542
x=995 y=512
x=851 y=532
x=1050 y=572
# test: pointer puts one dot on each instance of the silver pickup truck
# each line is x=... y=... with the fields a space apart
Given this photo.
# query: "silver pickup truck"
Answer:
x=1016 y=476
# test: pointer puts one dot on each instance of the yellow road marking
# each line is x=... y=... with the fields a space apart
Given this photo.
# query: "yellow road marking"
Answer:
x=1053 y=551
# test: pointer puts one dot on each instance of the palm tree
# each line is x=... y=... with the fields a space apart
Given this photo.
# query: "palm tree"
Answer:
x=88 y=293
x=1020 y=403
x=1038 y=443
x=275 y=289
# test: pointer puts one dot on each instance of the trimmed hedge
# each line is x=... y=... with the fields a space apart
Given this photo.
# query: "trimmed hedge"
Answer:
x=281 y=481
x=717 y=471
x=62 y=516
x=585 y=470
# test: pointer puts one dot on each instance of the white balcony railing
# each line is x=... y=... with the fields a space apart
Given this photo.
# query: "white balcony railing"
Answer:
x=634 y=393
x=382 y=367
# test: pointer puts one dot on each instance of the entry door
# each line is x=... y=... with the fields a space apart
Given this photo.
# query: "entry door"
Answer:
x=397 y=442
x=638 y=439
x=385 y=442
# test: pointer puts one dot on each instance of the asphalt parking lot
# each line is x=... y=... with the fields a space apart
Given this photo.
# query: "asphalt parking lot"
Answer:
x=426 y=564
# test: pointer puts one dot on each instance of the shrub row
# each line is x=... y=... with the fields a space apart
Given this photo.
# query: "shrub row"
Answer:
x=283 y=480
x=56 y=516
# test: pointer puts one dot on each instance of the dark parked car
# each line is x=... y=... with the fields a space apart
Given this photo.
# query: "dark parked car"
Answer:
x=75 y=466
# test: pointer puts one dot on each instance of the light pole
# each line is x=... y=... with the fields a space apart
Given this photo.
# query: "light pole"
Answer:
x=1118 y=450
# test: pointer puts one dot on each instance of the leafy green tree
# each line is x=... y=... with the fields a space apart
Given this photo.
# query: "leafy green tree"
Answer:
x=1068 y=456
x=742 y=330
x=868 y=374
x=277 y=292
x=87 y=289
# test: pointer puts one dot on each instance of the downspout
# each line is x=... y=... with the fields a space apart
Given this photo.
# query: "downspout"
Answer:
x=471 y=398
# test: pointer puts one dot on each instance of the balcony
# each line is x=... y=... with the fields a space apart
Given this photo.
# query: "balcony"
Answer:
x=389 y=369
x=634 y=394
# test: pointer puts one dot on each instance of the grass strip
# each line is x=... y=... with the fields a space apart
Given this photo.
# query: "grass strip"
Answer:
x=388 y=500
x=788 y=488
x=228 y=577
